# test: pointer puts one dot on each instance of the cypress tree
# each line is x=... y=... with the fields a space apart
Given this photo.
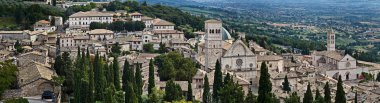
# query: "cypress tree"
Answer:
x=110 y=96
x=327 y=93
x=293 y=98
x=173 y=91
x=99 y=78
x=206 y=91
x=130 y=96
x=125 y=77
x=151 y=82
x=58 y=64
x=189 y=92
x=340 y=94
x=116 y=74
x=318 y=97
x=108 y=72
x=77 y=79
x=378 y=77
x=265 y=85
x=218 y=81
x=91 y=87
x=286 y=85
x=139 y=83
x=308 y=96
x=68 y=73
x=231 y=92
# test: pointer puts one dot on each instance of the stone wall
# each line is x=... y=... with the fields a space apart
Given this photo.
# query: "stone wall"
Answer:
x=14 y=93
x=37 y=88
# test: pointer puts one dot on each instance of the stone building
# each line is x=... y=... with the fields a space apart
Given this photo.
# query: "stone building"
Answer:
x=84 y=19
x=240 y=60
x=35 y=78
x=334 y=63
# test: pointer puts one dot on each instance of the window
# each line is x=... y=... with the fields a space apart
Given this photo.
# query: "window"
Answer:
x=239 y=62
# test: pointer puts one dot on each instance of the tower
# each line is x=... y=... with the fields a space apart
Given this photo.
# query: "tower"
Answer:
x=330 y=40
x=213 y=42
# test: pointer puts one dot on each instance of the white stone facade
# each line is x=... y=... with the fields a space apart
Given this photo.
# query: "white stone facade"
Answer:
x=84 y=19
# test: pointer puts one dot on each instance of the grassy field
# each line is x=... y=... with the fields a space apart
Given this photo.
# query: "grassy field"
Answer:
x=7 y=23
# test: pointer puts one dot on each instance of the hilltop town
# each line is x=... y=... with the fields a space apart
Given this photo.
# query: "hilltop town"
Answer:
x=129 y=56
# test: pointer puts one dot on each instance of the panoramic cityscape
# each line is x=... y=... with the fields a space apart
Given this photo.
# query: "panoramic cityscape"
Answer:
x=189 y=51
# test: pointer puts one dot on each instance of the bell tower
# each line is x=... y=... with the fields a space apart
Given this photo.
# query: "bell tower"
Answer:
x=213 y=43
x=330 y=40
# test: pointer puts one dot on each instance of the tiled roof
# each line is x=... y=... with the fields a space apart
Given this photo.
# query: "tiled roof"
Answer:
x=146 y=18
x=167 y=32
x=213 y=21
x=34 y=71
x=136 y=14
x=91 y=14
x=160 y=22
x=100 y=31
x=269 y=58
x=44 y=22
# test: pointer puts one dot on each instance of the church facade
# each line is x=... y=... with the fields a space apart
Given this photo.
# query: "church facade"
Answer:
x=334 y=63
x=240 y=60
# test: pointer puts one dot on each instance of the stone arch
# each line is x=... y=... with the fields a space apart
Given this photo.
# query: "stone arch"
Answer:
x=45 y=86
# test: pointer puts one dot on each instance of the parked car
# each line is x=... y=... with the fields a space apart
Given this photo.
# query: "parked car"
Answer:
x=48 y=96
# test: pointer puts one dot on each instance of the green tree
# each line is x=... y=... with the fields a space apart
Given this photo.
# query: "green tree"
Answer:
x=218 y=82
x=130 y=96
x=340 y=94
x=318 y=97
x=110 y=96
x=250 y=97
x=265 y=85
x=231 y=92
x=116 y=49
x=139 y=82
x=117 y=26
x=148 y=48
x=18 y=47
x=99 y=78
x=327 y=93
x=189 y=91
x=8 y=74
x=151 y=80
x=126 y=72
x=68 y=73
x=286 y=85
x=173 y=92
x=162 y=48
x=58 y=64
x=308 y=96
x=378 y=77
x=206 y=97
x=293 y=98
x=91 y=94
x=156 y=96
x=116 y=73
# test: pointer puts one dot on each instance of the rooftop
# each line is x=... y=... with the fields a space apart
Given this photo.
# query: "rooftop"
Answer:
x=160 y=22
x=100 y=31
x=91 y=14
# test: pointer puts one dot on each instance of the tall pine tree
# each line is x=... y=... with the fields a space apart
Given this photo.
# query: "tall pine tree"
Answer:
x=308 y=96
x=116 y=74
x=318 y=97
x=139 y=82
x=173 y=92
x=340 y=94
x=327 y=93
x=286 y=85
x=206 y=97
x=189 y=92
x=151 y=82
x=130 y=96
x=356 y=97
x=125 y=77
x=218 y=81
x=91 y=94
x=231 y=92
x=293 y=98
x=265 y=85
